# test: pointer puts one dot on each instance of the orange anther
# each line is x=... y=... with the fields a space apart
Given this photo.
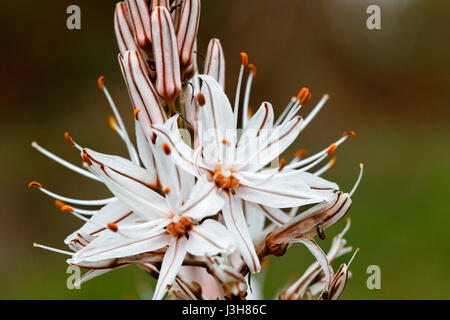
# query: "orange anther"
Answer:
x=166 y=148
x=349 y=133
x=136 y=111
x=201 y=99
x=332 y=149
x=166 y=190
x=226 y=142
x=303 y=96
x=59 y=204
x=112 y=123
x=244 y=58
x=332 y=162
x=66 y=208
x=113 y=227
x=282 y=164
x=100 y=82
x=300 y=153
x=253 y=68
x=69 y=139
x=34 y=184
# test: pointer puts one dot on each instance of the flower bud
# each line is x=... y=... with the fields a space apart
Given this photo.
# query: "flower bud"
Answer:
x=215 y=62
x=168 y=79
x=187 y=31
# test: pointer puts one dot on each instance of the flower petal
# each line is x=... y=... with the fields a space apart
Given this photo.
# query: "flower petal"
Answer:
x=116 y=212
x=268 y=147
x=217 y=123
x=180 y=152
x=145 y=152
x=210 y=238
x=116 y=246
x=320 y=256
x=237 y=226
x=283 y=190
x=261 y=123
x=204 y=201
x=173 y=259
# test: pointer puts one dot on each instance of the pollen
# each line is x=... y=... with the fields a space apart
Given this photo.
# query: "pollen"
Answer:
x=100 y=82
x=223 y=182
x=112 y=122
x=180 y=228
x=69 y=139
x=166 y=149
x=35 y=244
x=66 y=208
x=304 y=95
x=113 y=227
x=331 y=149
x=34 y=184
x=253 y=68
x=201 y=99
x=349 y=133
x=136 y=111
x=244 y=58
x=282 y=164
x=226 y=142
x=166 y=190
x=300 y=153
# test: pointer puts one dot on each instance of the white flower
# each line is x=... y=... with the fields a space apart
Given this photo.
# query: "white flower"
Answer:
x=223 y=161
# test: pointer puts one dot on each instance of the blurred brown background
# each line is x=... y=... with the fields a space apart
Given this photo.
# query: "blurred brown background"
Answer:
x=391 y=86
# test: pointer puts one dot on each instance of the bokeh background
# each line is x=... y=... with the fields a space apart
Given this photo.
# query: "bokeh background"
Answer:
x=391 y=86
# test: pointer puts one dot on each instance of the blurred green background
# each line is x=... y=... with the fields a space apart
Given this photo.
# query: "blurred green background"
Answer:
x=391 y=86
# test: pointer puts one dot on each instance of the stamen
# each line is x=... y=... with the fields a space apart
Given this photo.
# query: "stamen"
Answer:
x=131 y=150
x=316 y=109
x=201 y=99
x=247 y=95
x=314 y=163
x=349 y=133
x=253 y=69
x=69 y=139
x=326 y=167
x=136 y=111
x=100 y=82
x=331 y=149
x=113 y=123
x=303 y=162
x=238 y=87
x=166 y=190
x=226 y=142
x=166 y=149
x=304 y=96
x=34 y=184
x=353 y=257
x=282 y=164
x=286 y=110
x=66 y=208
x=76 y=201
x=113 y=227
x=37 y=245
x=357 y=181
x=300 y=153
x=244 y=57
x=63 y=207
x=63 y=162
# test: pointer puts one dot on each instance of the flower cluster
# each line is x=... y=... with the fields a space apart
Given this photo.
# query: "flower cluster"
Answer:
x=202 y=199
